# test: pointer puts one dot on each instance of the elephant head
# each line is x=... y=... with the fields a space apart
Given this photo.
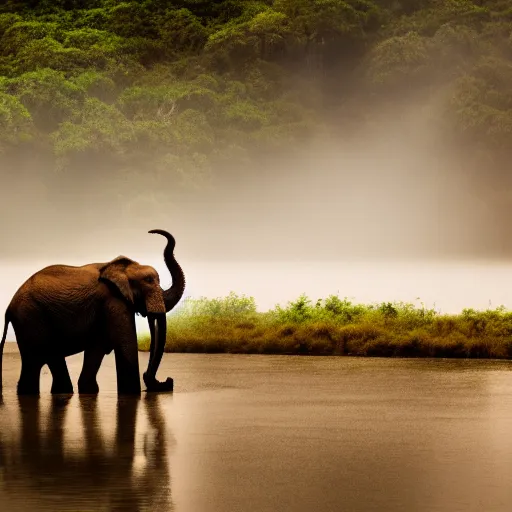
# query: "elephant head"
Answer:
x=140 y=286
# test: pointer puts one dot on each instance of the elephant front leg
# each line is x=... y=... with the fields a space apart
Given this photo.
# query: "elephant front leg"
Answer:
x=93 y=357
x=61 y=381
x=127 y=368
x=122 y=335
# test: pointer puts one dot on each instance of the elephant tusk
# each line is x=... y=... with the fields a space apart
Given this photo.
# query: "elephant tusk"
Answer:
x=151 y=323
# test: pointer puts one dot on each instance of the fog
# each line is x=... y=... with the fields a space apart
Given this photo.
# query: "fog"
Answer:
x=388 y=212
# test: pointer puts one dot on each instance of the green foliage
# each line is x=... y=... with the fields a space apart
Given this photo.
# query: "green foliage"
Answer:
x=50 y=54
x=7 y=20
x=93 y=18
x=322 y=20
x=399 y=60
x=96 y=84
x=483 y=104
x=181 y=31
x=297 y=311
x=231 y=306
x=206 y=82
x=97 y=127
x=16 y=124
x=245 y=114
x=47 y=95
x=22 y=33
x=335 y=326
x=86 y=38
x=128 y=19
x=258 y=33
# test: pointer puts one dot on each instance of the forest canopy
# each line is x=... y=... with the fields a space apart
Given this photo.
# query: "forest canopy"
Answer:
x=186 y=86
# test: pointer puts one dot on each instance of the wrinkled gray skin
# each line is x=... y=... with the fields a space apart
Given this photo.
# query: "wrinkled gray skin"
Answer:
x=62 y=310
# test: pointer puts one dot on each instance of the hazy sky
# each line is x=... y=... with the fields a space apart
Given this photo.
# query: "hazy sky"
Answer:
x=390 y=192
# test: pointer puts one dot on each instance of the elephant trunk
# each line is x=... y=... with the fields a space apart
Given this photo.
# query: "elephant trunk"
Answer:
x=158 y=330
x=173 y=294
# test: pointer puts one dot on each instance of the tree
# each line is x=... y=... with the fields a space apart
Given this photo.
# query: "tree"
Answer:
x=16 y=125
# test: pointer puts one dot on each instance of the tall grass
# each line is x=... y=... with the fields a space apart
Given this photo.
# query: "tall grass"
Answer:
x=335 y=326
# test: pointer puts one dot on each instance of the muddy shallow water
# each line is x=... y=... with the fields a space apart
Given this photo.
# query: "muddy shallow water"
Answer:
x=265 y=433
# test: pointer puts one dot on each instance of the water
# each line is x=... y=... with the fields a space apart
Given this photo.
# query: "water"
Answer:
x=266 y=433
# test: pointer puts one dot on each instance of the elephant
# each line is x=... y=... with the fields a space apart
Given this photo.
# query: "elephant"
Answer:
x=63 y=310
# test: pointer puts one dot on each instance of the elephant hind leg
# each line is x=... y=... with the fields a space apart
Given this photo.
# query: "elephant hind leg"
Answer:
x=30 y=375
x=60 y=375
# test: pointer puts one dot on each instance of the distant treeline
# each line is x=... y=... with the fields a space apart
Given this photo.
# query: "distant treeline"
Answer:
x=186 y=86
x=335 y=326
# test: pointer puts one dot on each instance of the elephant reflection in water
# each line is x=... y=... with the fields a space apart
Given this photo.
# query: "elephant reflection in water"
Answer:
x=44 y=467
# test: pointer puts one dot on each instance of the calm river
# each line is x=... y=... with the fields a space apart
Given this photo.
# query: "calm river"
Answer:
x=266 y=433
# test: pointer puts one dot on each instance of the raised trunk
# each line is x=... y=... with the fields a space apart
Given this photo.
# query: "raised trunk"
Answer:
x=172 y=295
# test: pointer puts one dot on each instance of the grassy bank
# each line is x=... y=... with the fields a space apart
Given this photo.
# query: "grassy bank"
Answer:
x=335 y=326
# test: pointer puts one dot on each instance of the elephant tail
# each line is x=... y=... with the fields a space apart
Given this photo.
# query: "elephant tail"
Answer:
x=2 y=343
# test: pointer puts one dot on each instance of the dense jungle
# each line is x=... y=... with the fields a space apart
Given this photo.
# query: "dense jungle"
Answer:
x=196 y=88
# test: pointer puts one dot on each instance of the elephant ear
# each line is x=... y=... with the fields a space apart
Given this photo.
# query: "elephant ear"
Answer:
x=115 y=272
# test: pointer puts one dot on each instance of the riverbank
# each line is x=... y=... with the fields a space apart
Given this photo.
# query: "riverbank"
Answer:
x=335 y=326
